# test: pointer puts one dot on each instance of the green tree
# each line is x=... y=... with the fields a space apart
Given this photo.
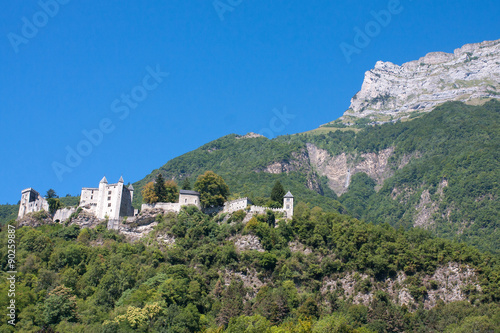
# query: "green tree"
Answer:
x=54 y=205
x=186 y=184
x=51 y=193
x=160 y=189
x=172 y=191
x=148 y=193
x=60 y=305
x=213 y=189
x=277 y=193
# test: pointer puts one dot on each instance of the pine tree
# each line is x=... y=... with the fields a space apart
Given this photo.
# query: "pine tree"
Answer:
x=186 y=184
x=51 y=194
x=160 y=188
x=277 y=193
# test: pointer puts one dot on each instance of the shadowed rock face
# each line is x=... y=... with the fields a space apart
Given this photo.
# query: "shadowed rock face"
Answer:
x=471 y=73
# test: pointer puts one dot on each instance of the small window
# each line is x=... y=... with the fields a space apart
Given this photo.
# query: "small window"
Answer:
x=109 y=192
x=195 y=201
x=91 y=197
x=109 y=205
x=287 y=206
x=109 y=198
x=288 y=199
x=185 y=200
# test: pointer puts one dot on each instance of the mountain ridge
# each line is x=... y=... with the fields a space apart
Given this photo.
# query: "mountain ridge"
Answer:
x=390 y=92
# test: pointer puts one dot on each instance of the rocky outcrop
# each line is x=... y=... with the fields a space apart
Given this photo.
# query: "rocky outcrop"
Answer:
x=339 y=169
x=250 y=135
x=35 y=219
x=391 y=92
x=85 y=219
x=297 y=246
x=247 y=242
x=448 y=283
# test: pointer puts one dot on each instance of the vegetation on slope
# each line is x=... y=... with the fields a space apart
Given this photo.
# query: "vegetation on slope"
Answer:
x=81 y=280
x=240 y=162
x=455 y=159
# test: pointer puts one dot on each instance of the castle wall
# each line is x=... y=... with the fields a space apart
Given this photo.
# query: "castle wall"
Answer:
x=126 y=208
x=166 y=206
x=88 y=196
x=234 y=205
x=31 y=201
x=63 y=214
x=109 y=200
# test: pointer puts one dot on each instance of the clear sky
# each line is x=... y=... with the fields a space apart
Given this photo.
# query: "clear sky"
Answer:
x=92 y=88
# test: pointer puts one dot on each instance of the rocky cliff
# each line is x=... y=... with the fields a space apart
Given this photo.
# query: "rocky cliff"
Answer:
x=390 y=92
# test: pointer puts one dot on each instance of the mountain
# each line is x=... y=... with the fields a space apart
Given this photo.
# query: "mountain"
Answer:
x=438 y=172
x=390 y=92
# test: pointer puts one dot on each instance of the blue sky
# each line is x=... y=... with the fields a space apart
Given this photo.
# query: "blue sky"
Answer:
x=151 y=80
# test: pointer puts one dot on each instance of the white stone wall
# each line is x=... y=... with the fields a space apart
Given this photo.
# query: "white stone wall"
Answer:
x=189 y=199
x=288 y=207
x=31 y=201
x=109 y=200
x=89 y=196
x=234 y=205
x=166 y=206
x=63 y=214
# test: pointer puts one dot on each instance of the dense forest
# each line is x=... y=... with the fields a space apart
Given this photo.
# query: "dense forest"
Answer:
x=92 y=280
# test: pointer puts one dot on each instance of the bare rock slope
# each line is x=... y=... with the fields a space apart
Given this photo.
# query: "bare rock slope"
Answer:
x=390 y=92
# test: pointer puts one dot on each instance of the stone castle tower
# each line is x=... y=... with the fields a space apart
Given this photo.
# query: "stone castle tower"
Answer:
x=108 y=200
x=31 y=201
x=288 y=204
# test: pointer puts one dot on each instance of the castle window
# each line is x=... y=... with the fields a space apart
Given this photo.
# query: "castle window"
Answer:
x=195 y=201
x=109 y=192
x=109 y=205
x=287 y=199
x=109 y=198
x=91 y=197
x=287 y=206
x=185 y=200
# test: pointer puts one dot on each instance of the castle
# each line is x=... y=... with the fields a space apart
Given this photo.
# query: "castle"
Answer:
x=110 y=201
x=114 y=201
x=31 y=201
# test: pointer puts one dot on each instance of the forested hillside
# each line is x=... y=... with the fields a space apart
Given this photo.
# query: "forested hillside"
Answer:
x=321 y=272
x=441 y=170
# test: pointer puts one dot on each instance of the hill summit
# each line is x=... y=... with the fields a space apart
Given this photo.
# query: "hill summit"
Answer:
x=390 y=92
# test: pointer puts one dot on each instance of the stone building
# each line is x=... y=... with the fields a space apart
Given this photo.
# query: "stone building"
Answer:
x=288 y=204
x=187 y=197
x=108 y=200
x=31 y=201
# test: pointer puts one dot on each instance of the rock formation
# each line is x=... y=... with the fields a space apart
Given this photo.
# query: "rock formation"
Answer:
x=390 y=92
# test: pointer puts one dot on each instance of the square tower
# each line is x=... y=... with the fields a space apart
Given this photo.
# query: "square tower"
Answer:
x=288 y=204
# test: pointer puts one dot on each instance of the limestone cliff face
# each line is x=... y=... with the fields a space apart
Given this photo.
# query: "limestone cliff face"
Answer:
x=339 y=169
x=391 y=92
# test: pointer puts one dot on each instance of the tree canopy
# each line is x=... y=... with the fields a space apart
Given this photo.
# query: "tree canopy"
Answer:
x=213 y=189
